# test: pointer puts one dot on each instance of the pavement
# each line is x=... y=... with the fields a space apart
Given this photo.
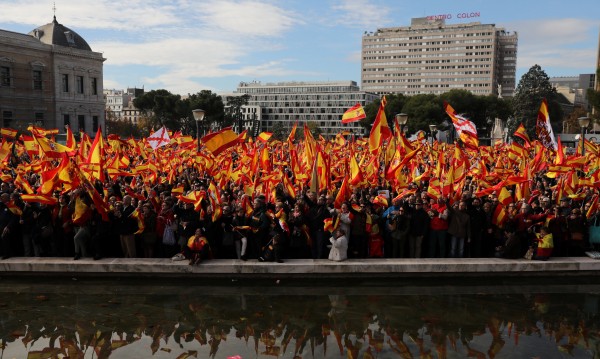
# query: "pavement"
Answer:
x=301 y=268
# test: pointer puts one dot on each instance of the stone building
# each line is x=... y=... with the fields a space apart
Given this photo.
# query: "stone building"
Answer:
x=50 y=77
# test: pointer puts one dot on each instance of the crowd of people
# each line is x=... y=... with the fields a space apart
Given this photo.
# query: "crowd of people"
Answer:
x=414 y=226
x=411 y=200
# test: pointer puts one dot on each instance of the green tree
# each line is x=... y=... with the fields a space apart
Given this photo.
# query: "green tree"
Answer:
x=533 y=87
x=211 y=103
x=233 y=113
x=279 y=130
x=423 y=110
x=394 y=105
x=160 y=107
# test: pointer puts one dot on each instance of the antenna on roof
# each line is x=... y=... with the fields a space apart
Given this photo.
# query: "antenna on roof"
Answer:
x=54 y=9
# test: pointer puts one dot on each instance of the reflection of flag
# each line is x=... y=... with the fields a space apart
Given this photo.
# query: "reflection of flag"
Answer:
x=159 y=138
x=218 y=142
x=543 y=128
x=466 y=129
x=354 y=113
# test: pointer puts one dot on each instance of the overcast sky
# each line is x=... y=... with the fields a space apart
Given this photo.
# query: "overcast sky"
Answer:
x=186 y=46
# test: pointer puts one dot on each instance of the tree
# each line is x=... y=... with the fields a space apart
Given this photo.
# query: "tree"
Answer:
x=279 y=130
x=571 y=123
x=211 y=103
x=423 y=110
x=161 y=108
x=533 y=87
x=233 y=115
x=394 y=105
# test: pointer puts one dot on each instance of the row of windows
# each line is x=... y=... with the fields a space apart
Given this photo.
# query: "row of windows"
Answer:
x=79 y=84
x=6 y=78
x=37 y=81
x=302 y=89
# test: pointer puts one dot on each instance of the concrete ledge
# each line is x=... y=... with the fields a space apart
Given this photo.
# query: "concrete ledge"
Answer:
x=306 y=268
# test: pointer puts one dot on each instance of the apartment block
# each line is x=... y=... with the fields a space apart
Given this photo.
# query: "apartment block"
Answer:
x=432 y=57
x=285 y=103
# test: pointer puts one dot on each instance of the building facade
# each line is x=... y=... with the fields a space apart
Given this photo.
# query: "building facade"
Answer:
x=50 y=77
x=430 y=57
x=119 y=104
x=285 y=103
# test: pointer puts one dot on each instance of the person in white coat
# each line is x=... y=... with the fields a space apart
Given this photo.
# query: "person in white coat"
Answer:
x=339 y=246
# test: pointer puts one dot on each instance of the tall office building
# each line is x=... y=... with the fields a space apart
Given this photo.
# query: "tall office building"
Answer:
x=430 y=57
x=50 y=77
x=285 y=103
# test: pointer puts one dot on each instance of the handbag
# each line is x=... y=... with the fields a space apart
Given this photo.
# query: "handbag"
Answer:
x=595 y=232
x=168 y=238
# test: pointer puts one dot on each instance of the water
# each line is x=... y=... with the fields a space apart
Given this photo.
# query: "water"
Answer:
x=167 y=318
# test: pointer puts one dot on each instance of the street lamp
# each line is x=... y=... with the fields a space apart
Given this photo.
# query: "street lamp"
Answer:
x=433 y=129
x=584 y=122
x=402 y=119
x=198 y=116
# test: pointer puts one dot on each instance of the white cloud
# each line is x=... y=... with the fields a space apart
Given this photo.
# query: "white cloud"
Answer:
x=556 y=43
x=359 y=13
x=247 y=18
x=87 y=14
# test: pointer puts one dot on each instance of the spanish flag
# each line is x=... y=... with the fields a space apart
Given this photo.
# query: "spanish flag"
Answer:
x=521 y=132
x=264 y=137
x=353 y=114
x=218 y=142
x=380 y=130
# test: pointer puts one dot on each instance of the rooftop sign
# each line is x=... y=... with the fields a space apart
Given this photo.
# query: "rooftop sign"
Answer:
x=460 y=15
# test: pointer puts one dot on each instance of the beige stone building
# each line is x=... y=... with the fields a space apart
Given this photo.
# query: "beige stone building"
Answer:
x=50 y=77
x=430 y=57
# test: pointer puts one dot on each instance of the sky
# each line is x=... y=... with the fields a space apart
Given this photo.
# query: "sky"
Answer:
x=186 y=46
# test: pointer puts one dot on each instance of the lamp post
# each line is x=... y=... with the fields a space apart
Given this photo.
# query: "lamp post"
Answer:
x=199 y=117
x=402 y=119
x=584 y=122
x=433 y=130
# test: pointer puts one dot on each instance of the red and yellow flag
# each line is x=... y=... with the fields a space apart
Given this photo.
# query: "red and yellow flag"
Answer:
x=353 y=114
x=218 y=142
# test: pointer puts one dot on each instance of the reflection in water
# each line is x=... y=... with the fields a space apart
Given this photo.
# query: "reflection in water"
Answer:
x=100 y=319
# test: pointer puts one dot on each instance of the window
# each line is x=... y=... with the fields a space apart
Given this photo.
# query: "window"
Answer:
x=95 y=123
x=67 y=120
x=7 y=117
x=79 y=83
x=4 y=76
x=81 y=122
x=94 y=85
x=37 y=79
x=65 y=83
x=39 y=119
